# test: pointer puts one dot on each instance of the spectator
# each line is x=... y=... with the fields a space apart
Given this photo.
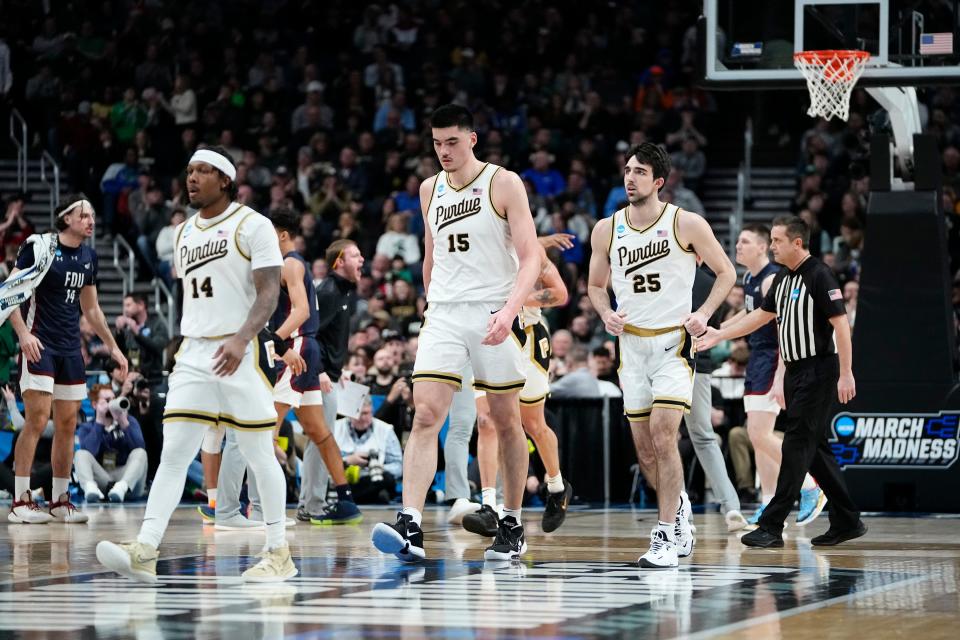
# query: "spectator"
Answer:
x=546 y=181
x=851 y=291
x=164 y=246
x=397 y=241
x=848 y=249
x=183 y=103
x=580 y=382
x=112 y=450
x=371 y=452
x=691 y=160
x=15 y=228
x=142 y=337
x=323 y=118
x=602 y=366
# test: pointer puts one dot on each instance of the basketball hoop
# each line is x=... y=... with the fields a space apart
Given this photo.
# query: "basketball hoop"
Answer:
x=830 y=76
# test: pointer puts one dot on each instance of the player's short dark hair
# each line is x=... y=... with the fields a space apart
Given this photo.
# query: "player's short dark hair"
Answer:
x=232 y=187
x=795 y=228
x=285 y=219
x=653 y=155
x=335 y=250
x=452 y=115
x=60 y=224
x=139 y=297
x=762 y=231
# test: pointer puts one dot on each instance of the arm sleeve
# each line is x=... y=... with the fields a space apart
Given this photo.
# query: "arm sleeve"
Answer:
x=134 y=435
x=827 y=296
x=769 y=303
x=89 y=435
x=258 y=242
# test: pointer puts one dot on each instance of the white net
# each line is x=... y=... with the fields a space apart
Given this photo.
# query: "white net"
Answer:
x=830 y=76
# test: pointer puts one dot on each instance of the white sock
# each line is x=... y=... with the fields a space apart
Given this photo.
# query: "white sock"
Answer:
x=555 y=483
x=414 y=513
x=21 y=486
x=512 y=513
x=181 y=442
x=489 y=496
x=60 y=486
x=212 y=497
x=257 y=449
x=766 y=498
x=667 y=528
x=809 y=482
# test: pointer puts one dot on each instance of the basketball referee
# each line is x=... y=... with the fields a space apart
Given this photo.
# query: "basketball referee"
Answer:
x=808 y=305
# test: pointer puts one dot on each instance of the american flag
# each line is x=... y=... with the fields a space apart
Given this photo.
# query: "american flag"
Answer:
x=936 y=43
x=835 y=294
x=661 y=233
x=477 y=191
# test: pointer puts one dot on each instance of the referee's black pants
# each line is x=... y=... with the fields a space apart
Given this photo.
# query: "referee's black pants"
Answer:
x=810 y=390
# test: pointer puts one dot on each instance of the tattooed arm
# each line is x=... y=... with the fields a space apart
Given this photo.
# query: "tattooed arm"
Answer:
x=549 y=291
x=230 y=353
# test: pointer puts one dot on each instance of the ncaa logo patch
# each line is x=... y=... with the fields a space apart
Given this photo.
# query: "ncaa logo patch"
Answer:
x=621 y=228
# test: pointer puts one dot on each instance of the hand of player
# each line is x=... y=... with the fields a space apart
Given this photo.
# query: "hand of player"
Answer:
x=294 y=360
x=228 y=356
x=326 y=384
x=696 y=323
x=117 y=355
x=708 y=339
x=31 y=347
x=846 y=388
x=777 y=392
x=614 y=321
x=498 y=327
x=280 y=454
x=561 y=241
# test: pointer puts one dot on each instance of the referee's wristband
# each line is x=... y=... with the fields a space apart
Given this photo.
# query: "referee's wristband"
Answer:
x=279 y=344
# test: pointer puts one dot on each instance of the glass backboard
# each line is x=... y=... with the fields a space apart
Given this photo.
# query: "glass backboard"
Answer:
x=752 y=42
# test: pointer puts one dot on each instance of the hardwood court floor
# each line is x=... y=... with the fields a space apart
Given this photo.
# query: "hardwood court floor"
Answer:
x=901 y=580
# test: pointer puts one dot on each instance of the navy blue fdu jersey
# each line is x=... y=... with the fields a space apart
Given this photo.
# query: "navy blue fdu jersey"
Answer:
x=766 y=336
x=312 y=324
x=53 y=313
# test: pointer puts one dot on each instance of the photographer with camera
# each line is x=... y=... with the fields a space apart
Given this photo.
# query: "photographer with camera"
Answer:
x=141 y=337
x=371 y=452
x=147 y=407
x=112 y=449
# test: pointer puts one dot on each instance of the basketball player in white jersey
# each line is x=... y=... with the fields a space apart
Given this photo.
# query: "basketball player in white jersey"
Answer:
x=648 y=252
x=481 y=261
x=229 y=260
x=549 y=291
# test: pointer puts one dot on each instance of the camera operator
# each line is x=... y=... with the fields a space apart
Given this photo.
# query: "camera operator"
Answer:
x=142 y=337
x=372 y=455
x=111 y=449
x=147 y=407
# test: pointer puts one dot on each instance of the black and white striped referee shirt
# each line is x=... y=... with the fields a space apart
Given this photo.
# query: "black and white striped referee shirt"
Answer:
x=805 y=300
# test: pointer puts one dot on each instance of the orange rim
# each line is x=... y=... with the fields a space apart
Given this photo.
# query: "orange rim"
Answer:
x=838 y=64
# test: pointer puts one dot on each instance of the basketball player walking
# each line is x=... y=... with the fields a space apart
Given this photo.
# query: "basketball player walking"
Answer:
x=481 y=261
x=648 y=252
x=229 y=259
x=763 y=386
x=51 y=365
x=549 y=291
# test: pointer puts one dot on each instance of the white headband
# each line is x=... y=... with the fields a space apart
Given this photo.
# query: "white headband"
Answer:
x=78 y=203
x=216 y=160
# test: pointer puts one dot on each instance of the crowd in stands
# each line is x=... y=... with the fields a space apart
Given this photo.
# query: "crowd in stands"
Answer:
x=323 y=107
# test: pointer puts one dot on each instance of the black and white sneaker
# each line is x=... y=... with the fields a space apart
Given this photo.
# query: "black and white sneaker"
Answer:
x=662 y=553
x=510 y=543
x=403 y=539
x=556 y=510
x=483 y=522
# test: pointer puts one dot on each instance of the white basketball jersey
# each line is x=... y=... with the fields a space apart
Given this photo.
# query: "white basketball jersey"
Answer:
x=652 y=274
x=215 y=258
x=473 y=255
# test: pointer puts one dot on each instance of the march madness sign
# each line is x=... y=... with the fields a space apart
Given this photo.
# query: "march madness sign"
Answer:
x=915 y=440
